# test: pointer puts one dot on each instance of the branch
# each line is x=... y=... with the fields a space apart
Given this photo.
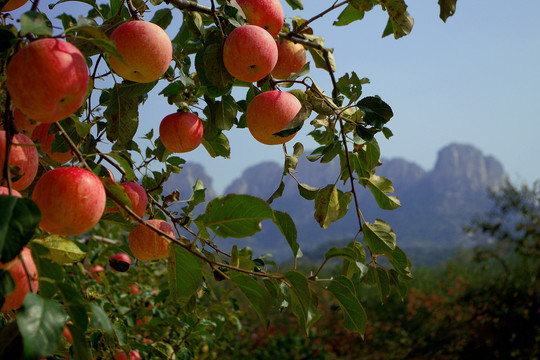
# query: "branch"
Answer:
x=306 y=23
x=190 y=6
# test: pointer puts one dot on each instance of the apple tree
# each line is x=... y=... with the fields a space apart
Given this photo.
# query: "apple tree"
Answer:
x=114 y=271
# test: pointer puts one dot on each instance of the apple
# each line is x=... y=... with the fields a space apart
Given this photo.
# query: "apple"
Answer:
x=95 y=270
x=135 y=289
x=45 y=140
x=5 y=191
x=120 y=262
x=22 y=123
x=121 y=355
x=17 y=270
x=71 y=200
x=137 y=196
x=181 y=132
x=134 y=355
x=23 y=154
x=291 y=59
x=249 y=53
x=67 y=334
x=13 y=4
x=267 y=14
x=47 y=80
x=146 y=50
x=268 y=113
x=146 y=244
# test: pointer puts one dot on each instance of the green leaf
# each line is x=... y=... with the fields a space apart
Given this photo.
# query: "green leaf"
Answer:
x=287 y=227
x=297 y=122
x=379 y=237
x=217 y=146
x=331 y=204
x=214 y=68
x=344 y=253
x=35 y=23
x=300 y=297
x=295 y=4
x=222 y=114
x=448 y=8
x=122 y=111
x=376 y=112
x=278 y=193
x=318 y=55
x=80 y=348
x=353 y=311
x=185 y=273
x=162 y=18
x=348 y=15
x=399 y=261
x=40 y=322
x=19 y=219
x=402 y=22
x=383 y=283
x=257 y=294
x=236 y=216
x=351 y=86
x=308 y=192
x=380 y=187
x=7 y=285
x=197 y=197
x=356 y=265
x=99 y=319
x=61 y=249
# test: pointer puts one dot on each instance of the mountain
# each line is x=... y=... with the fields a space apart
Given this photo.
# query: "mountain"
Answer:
x=435 y=204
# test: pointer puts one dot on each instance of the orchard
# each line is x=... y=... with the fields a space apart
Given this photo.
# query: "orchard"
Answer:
x=93 y=262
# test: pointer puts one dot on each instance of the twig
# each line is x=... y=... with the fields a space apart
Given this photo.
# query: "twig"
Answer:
x=307 y=22
x=190 y=6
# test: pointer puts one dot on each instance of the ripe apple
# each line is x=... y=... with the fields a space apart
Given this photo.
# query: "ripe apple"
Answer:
x=135 y=289
x=17 y=270
x=5 y=191
x=146 y=244
x=268 y=113
x=181 y=132
x=95 y=270
x=13 y=4
x=22 y=123
x=249 y=53
x=146 y=50
x=24 y=155
x=137 y=196
x=120 y=262
x=121 y=355
x=134 y=355
x=67 y=334
x=45 y=140
x=71 y=200
x=291 y=59
x=267 y=14
x=47 y=80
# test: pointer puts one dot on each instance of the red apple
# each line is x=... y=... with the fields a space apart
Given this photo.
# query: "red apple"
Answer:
x=134 y=355
x=135 y=289
x=95 y=270
x=24 y=155
x=146 y=50
x=120 y=355
x=71 y=200
x=45 y=140
x=249 y=53
x=120 y=262
x=137 y=196
x=146 y=244
x=17 y=270
x=47 y=80
x=22 y=123
x=291 y=59
x=67 y=334
x=13 y=4
x=267 y=14
x=268 y=113
x=5 y=191
x=181 y=132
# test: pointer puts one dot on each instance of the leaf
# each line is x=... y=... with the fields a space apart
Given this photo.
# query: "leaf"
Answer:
x=19 y=218
x=99 y=319
x=217 y=146
x=402 y=22
x=351 y=86
x=300 y=297
x=356 y=265
x=35 y=23
x=379 y=237
x=61 y=249
x=185 y=273
x=380 y=187
x=7 y=285
x=122 y=111
x=236 y=216
x=80 y=348
x=214 y=68
x=124 y=160
x=257 y=295
x=383 y=283
x=297 y=122
x=223 y=113
x=331 y=204
x=448 y=8
x=287 y=227
x=376 y=112
x=399 y=261
x=162 y=18
x=278 y=193
x=353 y=311
x=348 y=15
x=295 y=4
x=308 y=192
x=40 y=322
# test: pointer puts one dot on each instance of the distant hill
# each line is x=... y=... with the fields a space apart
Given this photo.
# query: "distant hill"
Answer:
x=435 y=204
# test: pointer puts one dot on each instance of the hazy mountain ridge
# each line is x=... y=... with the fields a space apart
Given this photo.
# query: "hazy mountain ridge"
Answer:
x=435 y=204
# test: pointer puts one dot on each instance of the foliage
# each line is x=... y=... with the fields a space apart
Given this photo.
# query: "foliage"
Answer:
x=191 y=305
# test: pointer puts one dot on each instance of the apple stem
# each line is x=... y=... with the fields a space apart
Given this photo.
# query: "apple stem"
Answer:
x=132 y=10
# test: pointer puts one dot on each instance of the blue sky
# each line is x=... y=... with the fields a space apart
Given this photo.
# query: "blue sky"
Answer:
x=473 y=80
